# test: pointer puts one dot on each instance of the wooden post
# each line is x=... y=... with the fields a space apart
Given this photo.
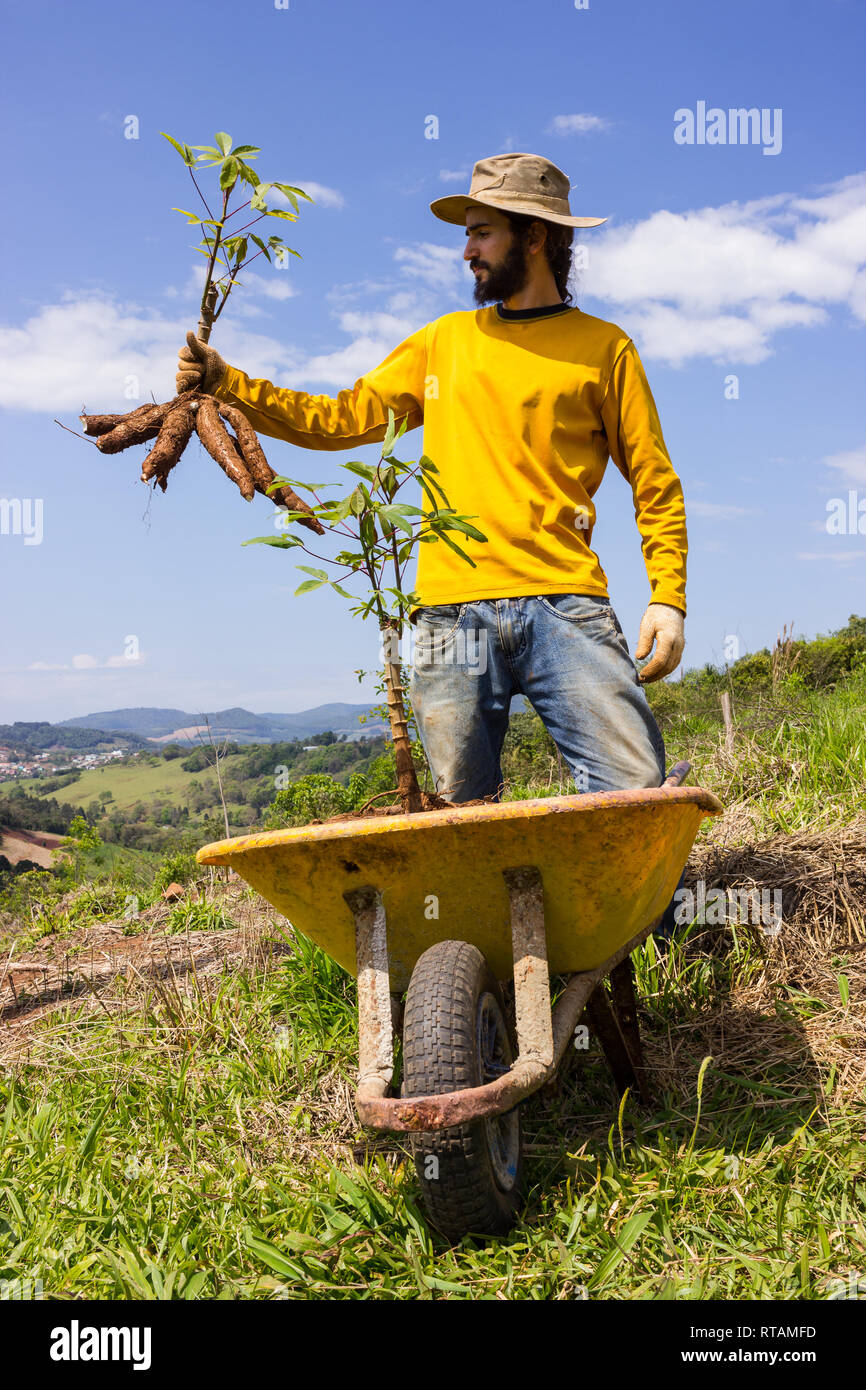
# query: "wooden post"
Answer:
x=729 y=720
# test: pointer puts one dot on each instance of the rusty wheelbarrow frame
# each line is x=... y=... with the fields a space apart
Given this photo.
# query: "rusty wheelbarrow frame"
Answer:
x=543 y=1031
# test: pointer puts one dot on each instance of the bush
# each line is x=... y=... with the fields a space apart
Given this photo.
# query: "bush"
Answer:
x=176 y=867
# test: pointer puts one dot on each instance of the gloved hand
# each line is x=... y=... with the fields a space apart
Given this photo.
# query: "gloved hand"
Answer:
x=198 y=364
x=663 y=625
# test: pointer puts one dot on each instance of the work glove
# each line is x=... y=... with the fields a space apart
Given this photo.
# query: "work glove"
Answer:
x=663 y=625
x=199 y=365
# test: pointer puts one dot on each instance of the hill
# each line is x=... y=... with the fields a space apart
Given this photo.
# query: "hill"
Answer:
x=40 y=736
x=238 y=724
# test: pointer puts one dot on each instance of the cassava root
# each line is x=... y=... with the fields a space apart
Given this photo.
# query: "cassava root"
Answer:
x=171 y=424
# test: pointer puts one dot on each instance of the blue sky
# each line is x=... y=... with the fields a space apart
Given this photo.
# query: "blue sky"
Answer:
x=719 y=260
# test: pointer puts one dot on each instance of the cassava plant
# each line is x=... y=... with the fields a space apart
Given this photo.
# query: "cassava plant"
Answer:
x=382 y=534
x=228 y=251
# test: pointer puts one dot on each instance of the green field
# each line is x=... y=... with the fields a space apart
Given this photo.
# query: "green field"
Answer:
x=189 y=1132
x=127 y=783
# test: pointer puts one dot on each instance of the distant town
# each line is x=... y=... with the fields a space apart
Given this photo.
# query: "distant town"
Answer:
x=48 y=764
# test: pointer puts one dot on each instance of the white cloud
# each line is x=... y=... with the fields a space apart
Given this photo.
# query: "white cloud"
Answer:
x=85 y=661
x=719 y=510
x=321 y=195
x=577 y=125
x=454 y=175
x=441 y=267
x=851 y=464
x=272 y=288
x=719 y=282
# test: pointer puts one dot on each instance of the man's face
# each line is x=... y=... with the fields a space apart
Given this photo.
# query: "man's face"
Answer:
x=497 y=259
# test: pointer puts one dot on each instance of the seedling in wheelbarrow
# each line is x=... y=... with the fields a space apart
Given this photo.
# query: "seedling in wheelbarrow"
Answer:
x=381 y=535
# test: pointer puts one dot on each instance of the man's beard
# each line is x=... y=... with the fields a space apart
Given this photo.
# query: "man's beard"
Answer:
x=503 y=281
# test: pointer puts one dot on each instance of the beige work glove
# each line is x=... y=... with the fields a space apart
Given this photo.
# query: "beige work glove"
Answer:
x=199 y=365
x=663 y=625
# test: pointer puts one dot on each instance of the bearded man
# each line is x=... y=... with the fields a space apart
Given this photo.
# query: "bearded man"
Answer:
x=523 y=401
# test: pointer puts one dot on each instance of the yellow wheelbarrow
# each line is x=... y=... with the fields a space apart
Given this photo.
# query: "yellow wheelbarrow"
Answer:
x=447 y=904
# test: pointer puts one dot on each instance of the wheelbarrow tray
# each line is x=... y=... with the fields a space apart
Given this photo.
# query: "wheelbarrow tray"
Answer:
x=609 y=862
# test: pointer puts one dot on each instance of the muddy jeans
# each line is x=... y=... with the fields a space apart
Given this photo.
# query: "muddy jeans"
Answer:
x=567 y=654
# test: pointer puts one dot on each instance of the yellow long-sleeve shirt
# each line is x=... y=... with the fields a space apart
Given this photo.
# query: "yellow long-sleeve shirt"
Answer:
x=520 y=416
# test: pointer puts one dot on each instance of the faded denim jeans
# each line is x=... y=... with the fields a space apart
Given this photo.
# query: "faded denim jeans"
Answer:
x=567 y=654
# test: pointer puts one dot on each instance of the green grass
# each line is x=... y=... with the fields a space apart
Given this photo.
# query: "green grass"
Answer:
x=191 y=1135
x=797 y=764
x=199 y=1146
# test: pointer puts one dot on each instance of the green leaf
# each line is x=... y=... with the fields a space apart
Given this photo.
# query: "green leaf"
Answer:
x=368 y=531
x=337 y=511
x=291 y=197
x=390 y=434
x=191 y=217
x=248 y=175
x=452 y=545
x=340 y=590
x=630 y=1234
x=363 y=470
x=358 y=500
x=394 y=516
x=228 y=173
x=274 y=1258
x=257 y=241
x=317 y=574
x=308 y=585
x=193 y=1286
x=90 y=1137
x=281 y=542
x=184 y=151
x=457 y=523
x=290 y=188
x=281 y=212
x=223 y=141
x=427 y=483
x=246 y=149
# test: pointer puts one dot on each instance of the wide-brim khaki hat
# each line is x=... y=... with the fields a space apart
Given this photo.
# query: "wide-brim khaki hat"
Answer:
x=525 y=183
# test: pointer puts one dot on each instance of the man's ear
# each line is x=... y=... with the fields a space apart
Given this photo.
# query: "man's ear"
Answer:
x=536 y=230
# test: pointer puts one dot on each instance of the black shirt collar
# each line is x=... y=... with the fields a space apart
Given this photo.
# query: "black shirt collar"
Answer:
x=545 y=311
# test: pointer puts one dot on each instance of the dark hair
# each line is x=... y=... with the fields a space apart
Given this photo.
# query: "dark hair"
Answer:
x=557 y=246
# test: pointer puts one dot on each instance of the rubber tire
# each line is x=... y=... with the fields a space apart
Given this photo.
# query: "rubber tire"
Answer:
x=440 y=1054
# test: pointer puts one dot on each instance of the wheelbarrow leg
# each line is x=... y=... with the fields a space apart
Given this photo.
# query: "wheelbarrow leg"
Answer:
x=531 y=977
x=375 y=1019
x=618 y=1031
x=625 y=1006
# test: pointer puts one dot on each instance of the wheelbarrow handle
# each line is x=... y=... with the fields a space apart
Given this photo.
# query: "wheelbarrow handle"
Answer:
x=677 y=775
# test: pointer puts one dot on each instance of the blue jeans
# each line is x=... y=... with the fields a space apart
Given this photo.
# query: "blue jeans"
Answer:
x=567 y=654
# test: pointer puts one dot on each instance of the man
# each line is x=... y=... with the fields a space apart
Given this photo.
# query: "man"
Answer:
x=523 y=400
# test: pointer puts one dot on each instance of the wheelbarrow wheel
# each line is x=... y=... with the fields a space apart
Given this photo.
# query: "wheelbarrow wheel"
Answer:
x=455 y=1036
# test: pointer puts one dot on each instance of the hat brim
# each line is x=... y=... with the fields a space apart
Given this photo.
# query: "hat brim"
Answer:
x=454 y=208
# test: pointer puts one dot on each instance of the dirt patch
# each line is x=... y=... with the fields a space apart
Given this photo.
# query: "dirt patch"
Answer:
x=88 y=968
x=35 y=845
